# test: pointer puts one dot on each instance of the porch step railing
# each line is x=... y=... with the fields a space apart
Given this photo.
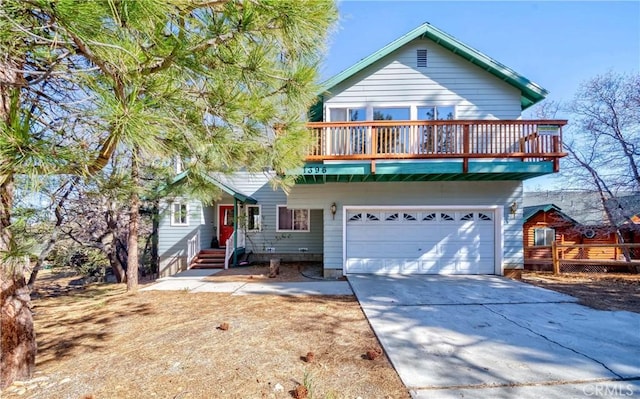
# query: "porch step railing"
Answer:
x=193 y=247
x=230 y=246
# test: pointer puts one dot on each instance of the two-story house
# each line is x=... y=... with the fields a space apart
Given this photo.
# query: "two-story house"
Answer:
x=419 y=157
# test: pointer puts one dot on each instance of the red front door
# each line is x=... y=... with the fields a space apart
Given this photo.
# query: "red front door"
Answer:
x=225 y=219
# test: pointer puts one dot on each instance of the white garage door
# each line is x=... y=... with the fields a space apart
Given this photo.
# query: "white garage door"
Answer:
x=420 y=241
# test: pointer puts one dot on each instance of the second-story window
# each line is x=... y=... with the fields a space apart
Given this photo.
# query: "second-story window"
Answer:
x=396 y=138
x=347 y=114
x=439 y=113
x=391 y=114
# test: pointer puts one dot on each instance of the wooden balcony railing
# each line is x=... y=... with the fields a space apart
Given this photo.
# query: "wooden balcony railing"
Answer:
x=525 y=140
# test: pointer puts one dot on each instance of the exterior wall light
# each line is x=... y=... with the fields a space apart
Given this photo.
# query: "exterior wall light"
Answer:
x=513 y=208
x=333 y=209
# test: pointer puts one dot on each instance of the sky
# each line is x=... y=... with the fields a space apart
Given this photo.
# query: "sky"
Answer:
x=556 y=44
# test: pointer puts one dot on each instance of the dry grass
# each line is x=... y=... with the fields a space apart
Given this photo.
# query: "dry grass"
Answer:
x=289 y=272
x=605 y=291
x=104 y=343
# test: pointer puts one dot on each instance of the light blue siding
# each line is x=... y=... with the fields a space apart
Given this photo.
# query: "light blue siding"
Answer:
x=172 y=240
x=395 y=80
x=501 y=193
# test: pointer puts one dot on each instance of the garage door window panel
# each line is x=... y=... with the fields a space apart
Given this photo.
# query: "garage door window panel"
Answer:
x=484 y=217
x=430 y=217
x=447 y=217
x=468 y=216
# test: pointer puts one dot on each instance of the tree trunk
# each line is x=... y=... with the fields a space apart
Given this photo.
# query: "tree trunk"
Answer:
x=134 y=222
x=110 y=248
x=17 y=335
x=18 y=344
x=116 y=266
x=155 y=261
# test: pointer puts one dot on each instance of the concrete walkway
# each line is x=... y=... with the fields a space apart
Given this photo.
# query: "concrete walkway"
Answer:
x=194 y=281
x=490 y=337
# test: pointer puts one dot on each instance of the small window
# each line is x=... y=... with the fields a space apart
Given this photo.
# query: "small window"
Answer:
x=254 y=221
x=356 y=218
x=421 y=55
x=179 y=214
x=292 y=219
x=179 y=165
x=543 y=236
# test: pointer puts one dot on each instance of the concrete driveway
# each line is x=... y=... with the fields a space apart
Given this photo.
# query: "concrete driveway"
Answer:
x=491 y=337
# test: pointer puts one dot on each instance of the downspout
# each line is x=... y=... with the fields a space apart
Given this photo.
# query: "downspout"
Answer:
x=235 y=232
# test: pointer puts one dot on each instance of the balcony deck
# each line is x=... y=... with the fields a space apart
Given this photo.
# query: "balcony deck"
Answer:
x=433 y=150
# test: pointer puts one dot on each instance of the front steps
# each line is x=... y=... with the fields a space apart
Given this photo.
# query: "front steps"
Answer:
x=209 y=259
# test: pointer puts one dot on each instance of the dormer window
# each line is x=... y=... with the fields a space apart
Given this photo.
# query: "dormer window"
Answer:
x=421 y=58
x=179 y=165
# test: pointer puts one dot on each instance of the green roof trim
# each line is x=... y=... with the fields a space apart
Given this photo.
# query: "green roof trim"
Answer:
x=320 y=173
x=531 y=93
x=529 y=211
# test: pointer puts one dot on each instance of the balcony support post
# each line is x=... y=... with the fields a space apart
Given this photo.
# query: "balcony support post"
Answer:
x=465 y=149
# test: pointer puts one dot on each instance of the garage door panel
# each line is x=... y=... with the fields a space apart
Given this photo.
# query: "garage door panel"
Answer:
x=430 y=242
x=384 y=249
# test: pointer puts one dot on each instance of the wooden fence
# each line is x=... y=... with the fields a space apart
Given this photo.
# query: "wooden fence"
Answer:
x=600 y=258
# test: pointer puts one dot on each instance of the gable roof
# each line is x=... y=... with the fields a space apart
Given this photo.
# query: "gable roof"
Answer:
x=223 y=183
x=584 y=206
x=529 y=211
x=531 y=93
x=624 y=208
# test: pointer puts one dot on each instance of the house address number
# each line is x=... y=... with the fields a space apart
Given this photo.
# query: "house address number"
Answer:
x=315 y=170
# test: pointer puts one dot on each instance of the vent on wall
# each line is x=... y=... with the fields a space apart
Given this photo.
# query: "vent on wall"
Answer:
x=422 y=58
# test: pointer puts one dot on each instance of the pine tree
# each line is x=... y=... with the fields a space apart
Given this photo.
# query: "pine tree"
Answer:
x=221 y=84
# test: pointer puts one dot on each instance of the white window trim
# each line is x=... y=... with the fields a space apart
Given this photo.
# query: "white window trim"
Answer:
x=545 y=235
x=246 y=227
x=173 y=213
x=413 y=108
x=179 y=165
x=278 y=229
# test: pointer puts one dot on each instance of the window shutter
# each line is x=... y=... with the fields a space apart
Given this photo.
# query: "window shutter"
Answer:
x=422 y=58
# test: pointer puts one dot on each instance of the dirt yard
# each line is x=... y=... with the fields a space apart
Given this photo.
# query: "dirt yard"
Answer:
x=289 y=272
x=100 y=342
x=596 y=290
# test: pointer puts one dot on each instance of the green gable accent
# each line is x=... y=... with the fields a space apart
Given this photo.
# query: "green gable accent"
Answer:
x=529 y=211
x=531 y=93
